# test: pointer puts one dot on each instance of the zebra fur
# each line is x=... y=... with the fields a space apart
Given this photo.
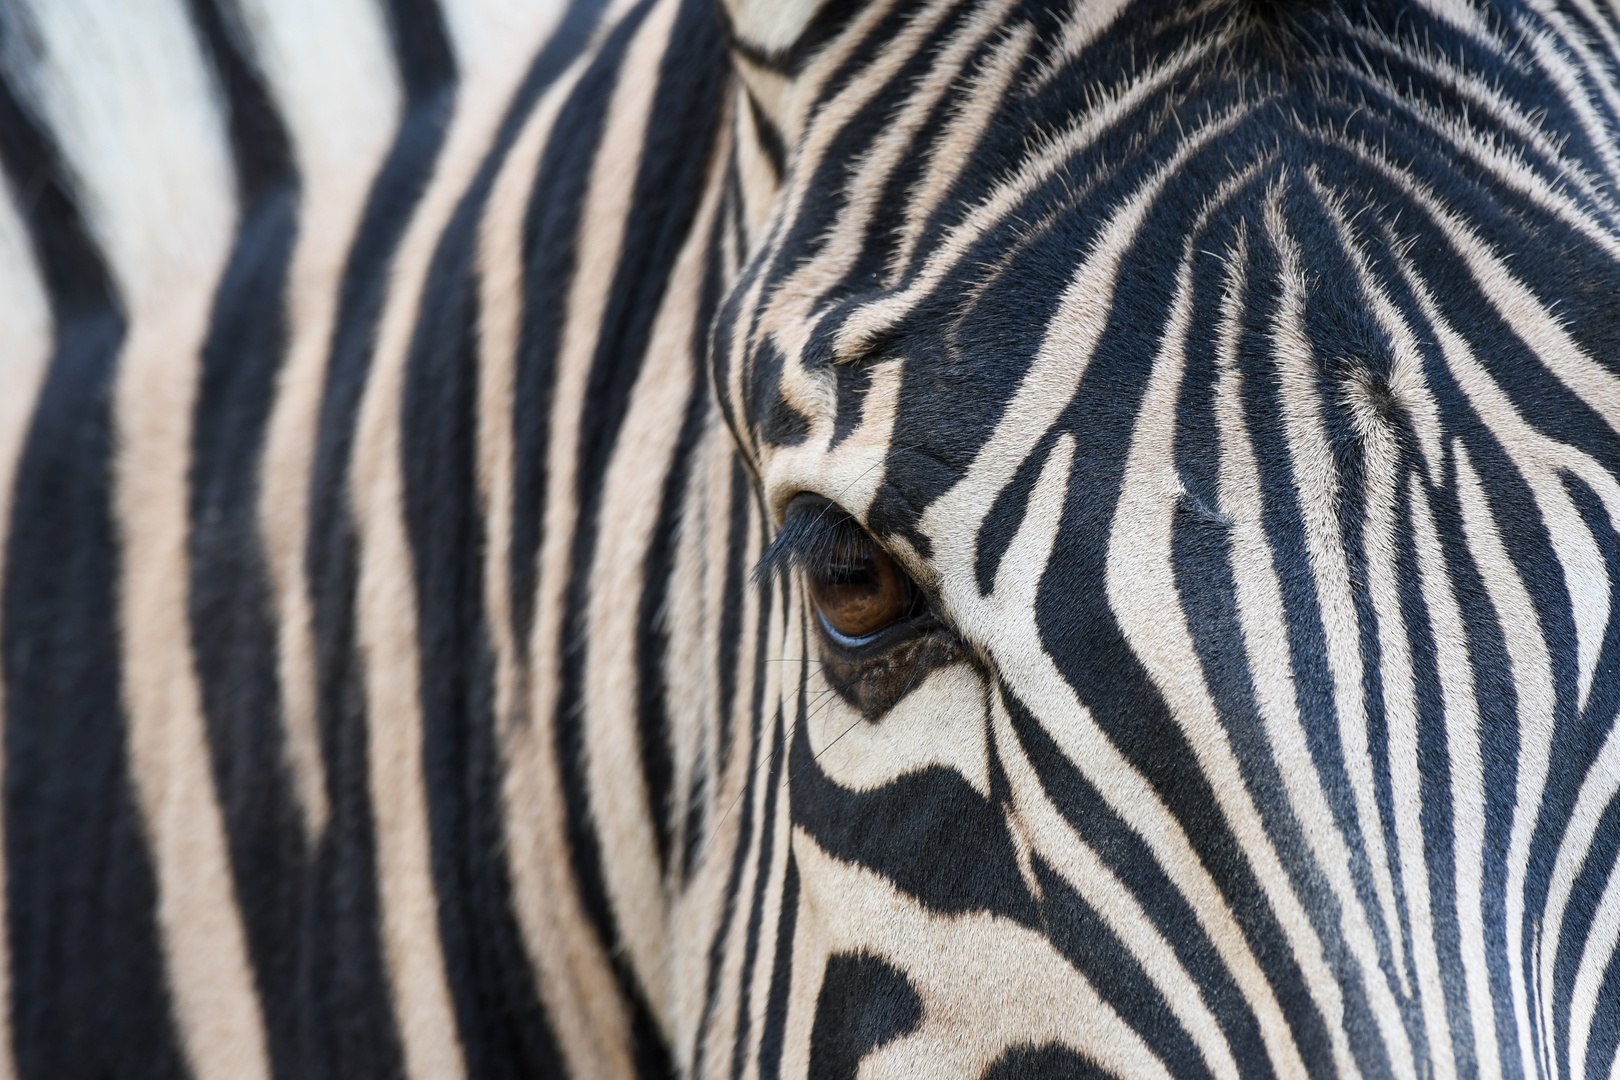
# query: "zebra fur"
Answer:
x=411 y=411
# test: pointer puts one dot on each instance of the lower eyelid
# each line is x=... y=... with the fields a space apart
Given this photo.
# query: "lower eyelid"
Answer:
x=844 y=639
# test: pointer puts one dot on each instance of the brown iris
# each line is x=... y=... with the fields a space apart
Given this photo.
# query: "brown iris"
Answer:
x=859 y=590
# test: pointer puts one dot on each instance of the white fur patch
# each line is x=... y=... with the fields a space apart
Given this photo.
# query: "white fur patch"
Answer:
x=771 y=24
x=125 y=90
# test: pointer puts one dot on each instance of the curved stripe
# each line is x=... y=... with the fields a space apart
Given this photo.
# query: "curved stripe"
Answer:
x=25 y=350
x=1142 y=593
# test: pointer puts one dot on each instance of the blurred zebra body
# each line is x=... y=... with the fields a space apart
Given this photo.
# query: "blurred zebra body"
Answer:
x=399 y=398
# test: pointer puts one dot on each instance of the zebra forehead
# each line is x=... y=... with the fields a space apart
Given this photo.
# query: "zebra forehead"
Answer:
x=974 y=251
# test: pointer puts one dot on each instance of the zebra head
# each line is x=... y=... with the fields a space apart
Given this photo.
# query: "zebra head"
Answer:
x=1189 y=438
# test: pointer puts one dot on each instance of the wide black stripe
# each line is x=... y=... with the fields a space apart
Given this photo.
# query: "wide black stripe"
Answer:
x=422 y=48
x=928 y=832
x=231 y=609
x=233 y=636
x=864 y=1003
x=89 y=993
x=346 y=1016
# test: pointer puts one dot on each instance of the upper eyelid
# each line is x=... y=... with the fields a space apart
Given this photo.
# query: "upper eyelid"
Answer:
x=808 y=533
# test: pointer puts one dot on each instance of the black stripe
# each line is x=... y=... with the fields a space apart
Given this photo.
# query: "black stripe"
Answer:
x=739 y=561
x=769 y=136
x=346 y=1013
x=233 y=637
x=772 y=1039
x=422 y=49
x=864 y=1003
x=260 y=145
x=89 y=993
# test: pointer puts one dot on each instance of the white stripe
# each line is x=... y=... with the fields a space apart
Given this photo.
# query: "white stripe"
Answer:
x=771 y=25
x=498 y=34
x=1085 y=23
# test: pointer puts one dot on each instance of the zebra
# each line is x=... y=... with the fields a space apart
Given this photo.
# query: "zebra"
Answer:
x=810 y=538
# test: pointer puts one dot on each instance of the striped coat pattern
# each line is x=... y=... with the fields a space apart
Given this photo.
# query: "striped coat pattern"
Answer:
x=810 y=538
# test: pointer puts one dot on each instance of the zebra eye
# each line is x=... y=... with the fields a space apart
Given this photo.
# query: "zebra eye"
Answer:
x=858 y=590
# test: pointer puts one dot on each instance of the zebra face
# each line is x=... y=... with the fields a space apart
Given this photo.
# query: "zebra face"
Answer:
x=1190 y=440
